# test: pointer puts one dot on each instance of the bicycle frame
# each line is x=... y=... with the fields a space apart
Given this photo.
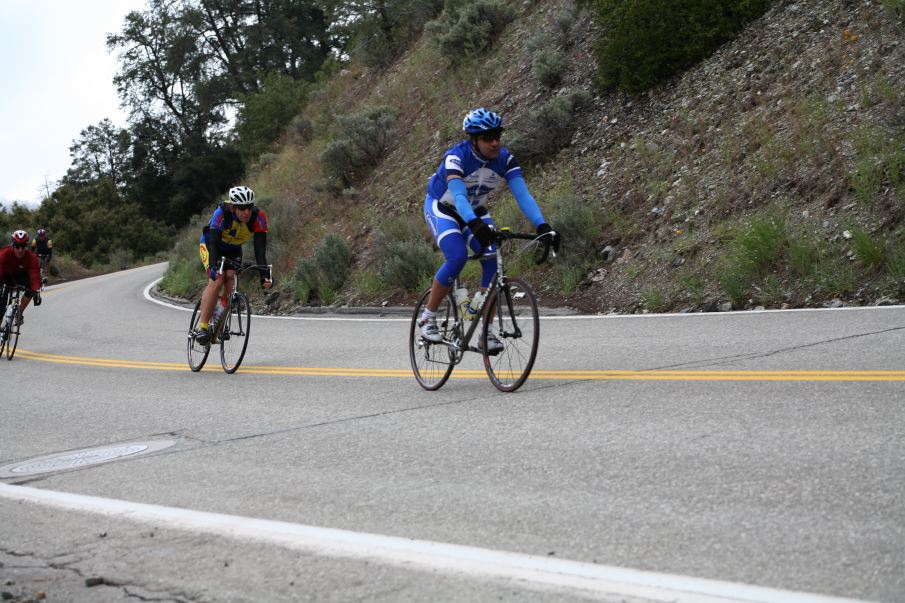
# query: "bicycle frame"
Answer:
x=497 y=286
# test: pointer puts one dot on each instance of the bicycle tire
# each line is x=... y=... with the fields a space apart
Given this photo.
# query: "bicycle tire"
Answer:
x=197 y=353
x=4 y=336
x=235 y=332
x=518 y=328
x=12 y=333
x=433 y=363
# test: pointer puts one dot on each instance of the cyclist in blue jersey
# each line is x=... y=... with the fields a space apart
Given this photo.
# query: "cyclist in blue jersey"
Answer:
x=233 y=223
x=456 y=208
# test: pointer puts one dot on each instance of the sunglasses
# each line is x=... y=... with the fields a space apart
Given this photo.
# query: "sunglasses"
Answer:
x=244 y=207
x=18 y=246
x=490 y=136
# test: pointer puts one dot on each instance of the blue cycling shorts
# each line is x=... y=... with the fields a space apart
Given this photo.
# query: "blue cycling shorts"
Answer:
x=454 y=239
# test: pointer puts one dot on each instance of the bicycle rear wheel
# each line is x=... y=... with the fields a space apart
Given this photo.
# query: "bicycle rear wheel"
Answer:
x=235 y=332
x=12 y=333
x=197 y=353
x=432 y=363
x=518 y=328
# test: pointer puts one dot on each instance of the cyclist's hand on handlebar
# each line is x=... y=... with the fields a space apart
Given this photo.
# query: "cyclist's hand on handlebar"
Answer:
x=555 y=238
x=482 y=232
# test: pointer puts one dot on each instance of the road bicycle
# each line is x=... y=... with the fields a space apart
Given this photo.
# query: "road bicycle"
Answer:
x=10 y=327
x=232 y=329
x=509 y=307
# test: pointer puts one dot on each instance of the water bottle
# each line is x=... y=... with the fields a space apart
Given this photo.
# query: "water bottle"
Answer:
x=218 y=313
x=461 y=297
x=474 y=308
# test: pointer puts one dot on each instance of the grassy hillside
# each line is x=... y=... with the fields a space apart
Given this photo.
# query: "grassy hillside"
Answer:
x=771 y=174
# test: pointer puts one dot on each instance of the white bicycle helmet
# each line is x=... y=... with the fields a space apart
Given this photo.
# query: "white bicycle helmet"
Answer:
x=241 y=195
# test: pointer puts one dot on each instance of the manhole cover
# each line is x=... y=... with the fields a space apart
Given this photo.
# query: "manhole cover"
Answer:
x=81 y=458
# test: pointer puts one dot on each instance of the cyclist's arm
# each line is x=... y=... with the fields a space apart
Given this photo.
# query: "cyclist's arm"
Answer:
x=525 y=201
x=34 y=275
x=460 y=196
x=260 y=243
x=214 y=238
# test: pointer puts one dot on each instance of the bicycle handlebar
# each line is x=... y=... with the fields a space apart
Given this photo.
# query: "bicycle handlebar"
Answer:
x=503 y=235
x=243 y=266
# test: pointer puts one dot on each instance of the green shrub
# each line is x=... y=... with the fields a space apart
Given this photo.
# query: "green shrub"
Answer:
x=579 y=227
x=408 y=265
x=804 y=253
x=565 y=22
x=835 y=276
x=549 y=129
x=764 y=241
x=896 y=7
x=473 y=27
x=333 y=259
x=547 y=66
x=301 y=129
x=183 y=278
x=753 y=250
x=648 y=41
x=307 y=280
x=654 y=300
x=359 y=144
x=869 y=251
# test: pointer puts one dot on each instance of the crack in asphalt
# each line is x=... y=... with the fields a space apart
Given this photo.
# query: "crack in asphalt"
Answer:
x=719 y=361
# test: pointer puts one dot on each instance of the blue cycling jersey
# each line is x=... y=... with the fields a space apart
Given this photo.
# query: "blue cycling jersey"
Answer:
x=480 y=176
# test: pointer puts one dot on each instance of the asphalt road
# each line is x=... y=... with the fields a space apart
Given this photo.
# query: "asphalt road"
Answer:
x=708 y=452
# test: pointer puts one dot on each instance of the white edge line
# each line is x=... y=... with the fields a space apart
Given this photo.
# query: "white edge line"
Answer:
x=538 y=571
x=149 y=297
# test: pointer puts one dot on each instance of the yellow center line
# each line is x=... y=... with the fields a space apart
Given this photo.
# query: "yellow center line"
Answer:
x=615 y=375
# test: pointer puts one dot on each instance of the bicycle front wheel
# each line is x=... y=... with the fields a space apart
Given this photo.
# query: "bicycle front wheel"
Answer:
x=432 y=363
x=12 y=333
x=235 y=331
x=511 y=315
x=197 y=353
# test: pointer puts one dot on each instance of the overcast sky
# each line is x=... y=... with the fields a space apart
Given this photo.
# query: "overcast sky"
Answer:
x=57 y=79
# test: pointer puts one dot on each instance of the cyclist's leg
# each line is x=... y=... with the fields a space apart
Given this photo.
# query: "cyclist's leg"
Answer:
x=25 y=298
x=488 y=263
x=212 y=291
x=451 y=241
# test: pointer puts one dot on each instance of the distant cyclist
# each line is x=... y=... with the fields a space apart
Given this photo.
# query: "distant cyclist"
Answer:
x=233 y=223
x=42 y=246
x=19 y=266
x=456 y=208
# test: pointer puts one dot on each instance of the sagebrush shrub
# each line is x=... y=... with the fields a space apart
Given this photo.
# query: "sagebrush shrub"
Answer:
x=408 y=265
x=474 y=27
x=360 y=142
x=333 y=259
x=548 y=66
x=549 y=129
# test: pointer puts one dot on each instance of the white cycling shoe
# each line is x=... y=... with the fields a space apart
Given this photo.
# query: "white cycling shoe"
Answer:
x=430 y=331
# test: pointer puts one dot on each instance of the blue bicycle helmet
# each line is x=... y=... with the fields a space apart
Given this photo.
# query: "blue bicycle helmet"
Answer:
x=481 y=120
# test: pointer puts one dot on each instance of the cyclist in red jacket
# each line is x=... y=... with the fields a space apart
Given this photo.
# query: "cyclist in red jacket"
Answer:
x=20 y=266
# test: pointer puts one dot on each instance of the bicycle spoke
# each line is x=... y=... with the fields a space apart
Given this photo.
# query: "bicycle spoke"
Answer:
x=432 y=363
x=234 y=333
x=197 y=353
x=515 y=323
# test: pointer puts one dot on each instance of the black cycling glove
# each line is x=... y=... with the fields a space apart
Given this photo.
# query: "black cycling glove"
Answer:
x=482 y=232
x=555 y=240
